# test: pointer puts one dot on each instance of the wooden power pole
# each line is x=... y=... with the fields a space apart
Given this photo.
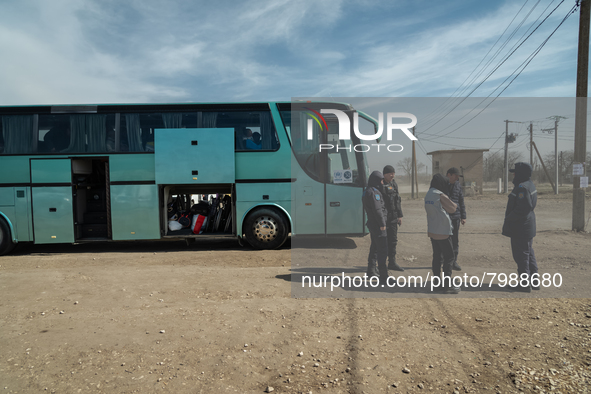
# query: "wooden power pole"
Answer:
x=531 y=143
x=581 y=115
x=413 y=171
x=506 y=162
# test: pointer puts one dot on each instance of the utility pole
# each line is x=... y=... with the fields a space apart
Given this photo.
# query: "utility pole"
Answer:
x=581 y=115
x=531 y=140
x=544 y=167
x=508 y=140
x=415 y=164
x=555 y=129
x=561 y=165
x=506 y=167
x=412 y=171
x=556 y=155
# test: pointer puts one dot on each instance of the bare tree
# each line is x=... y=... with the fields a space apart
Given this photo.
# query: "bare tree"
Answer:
x=420 y=167
x=494 y=164
x=406 y=165
x=422 y=173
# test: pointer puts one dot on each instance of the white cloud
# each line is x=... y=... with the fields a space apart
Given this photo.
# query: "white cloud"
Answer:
x=66 y=51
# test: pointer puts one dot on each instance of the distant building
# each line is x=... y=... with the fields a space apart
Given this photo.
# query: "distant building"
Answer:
x=468 y=161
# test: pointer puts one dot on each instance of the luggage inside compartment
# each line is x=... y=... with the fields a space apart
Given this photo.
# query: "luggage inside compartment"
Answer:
x=198 y=212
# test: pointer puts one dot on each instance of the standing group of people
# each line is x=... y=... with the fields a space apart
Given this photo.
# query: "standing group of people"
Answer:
x=446 y=212
x=382 y=203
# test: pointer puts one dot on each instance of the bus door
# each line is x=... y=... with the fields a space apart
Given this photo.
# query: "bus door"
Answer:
x=53 y=219
x=307 y=195
x=344 y=209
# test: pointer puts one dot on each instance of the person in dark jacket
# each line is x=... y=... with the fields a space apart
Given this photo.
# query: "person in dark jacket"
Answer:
x=520 y=222
x=459 y=216
x=393 y=202
x=373 y=203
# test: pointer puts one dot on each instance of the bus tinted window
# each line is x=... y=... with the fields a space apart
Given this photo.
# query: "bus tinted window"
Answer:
x=306 y=151
x=254 y=130
x=16 y=136
x=76 y=133
x=100 y=133
x=137 y=130
x=321 y=166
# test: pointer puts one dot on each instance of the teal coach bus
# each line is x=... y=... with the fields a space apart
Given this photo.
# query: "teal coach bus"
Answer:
x=84 y=173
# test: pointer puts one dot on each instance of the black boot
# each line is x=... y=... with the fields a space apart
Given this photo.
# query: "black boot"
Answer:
x=523 y=289
x=394 y=267
x=448 y=287
x=455 y=266
x=451 y=289
x=532 y=286
x=372 y=269
x=384 y=274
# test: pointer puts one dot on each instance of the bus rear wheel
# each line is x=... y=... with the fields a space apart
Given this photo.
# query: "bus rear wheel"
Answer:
x=6 y=244
x=265 y=228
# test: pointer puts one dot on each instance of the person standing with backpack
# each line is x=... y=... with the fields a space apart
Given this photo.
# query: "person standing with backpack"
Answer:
x=438 y=207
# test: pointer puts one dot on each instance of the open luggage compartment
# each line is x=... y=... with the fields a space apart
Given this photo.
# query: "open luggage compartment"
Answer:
x=198 y=210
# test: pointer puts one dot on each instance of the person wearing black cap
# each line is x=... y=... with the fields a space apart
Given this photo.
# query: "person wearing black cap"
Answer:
x=394 y=209
x=438 y=207
x=459 y=216
x=520 y=222
x=375 y=207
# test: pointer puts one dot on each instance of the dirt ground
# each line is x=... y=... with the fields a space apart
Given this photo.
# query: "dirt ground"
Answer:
x=217 y=317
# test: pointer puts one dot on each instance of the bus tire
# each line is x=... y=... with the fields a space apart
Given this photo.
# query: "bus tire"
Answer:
x=6 y=244
x=266 y=228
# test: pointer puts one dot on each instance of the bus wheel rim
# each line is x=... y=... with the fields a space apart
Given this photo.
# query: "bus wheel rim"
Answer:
x=265 y=228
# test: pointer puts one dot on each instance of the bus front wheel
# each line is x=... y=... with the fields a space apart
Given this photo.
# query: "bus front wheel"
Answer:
x=6 y=244
x=265 y=228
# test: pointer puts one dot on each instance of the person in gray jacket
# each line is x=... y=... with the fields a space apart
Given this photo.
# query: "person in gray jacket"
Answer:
x=438 y=207
x=520 y=222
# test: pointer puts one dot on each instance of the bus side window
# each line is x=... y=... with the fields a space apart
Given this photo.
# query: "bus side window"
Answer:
x=76 y=133
x=249 y=126
x=17 y=134
x=137 y=130
x=1 y=138
x=305 y=151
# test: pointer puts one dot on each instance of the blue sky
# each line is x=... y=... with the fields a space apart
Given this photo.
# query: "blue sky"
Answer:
x=74 y=51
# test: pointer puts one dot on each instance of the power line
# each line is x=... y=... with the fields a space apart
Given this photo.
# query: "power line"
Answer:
x=497 y=67
x=444 y=104
x=521 y=68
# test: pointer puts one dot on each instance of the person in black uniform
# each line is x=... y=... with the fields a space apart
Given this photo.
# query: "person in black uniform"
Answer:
x=520 y=222
x=373 y=203
x=394 y=220
x=459 y=216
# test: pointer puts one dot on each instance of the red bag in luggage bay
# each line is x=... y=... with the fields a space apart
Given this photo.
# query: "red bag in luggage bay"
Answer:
x=198 y=224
